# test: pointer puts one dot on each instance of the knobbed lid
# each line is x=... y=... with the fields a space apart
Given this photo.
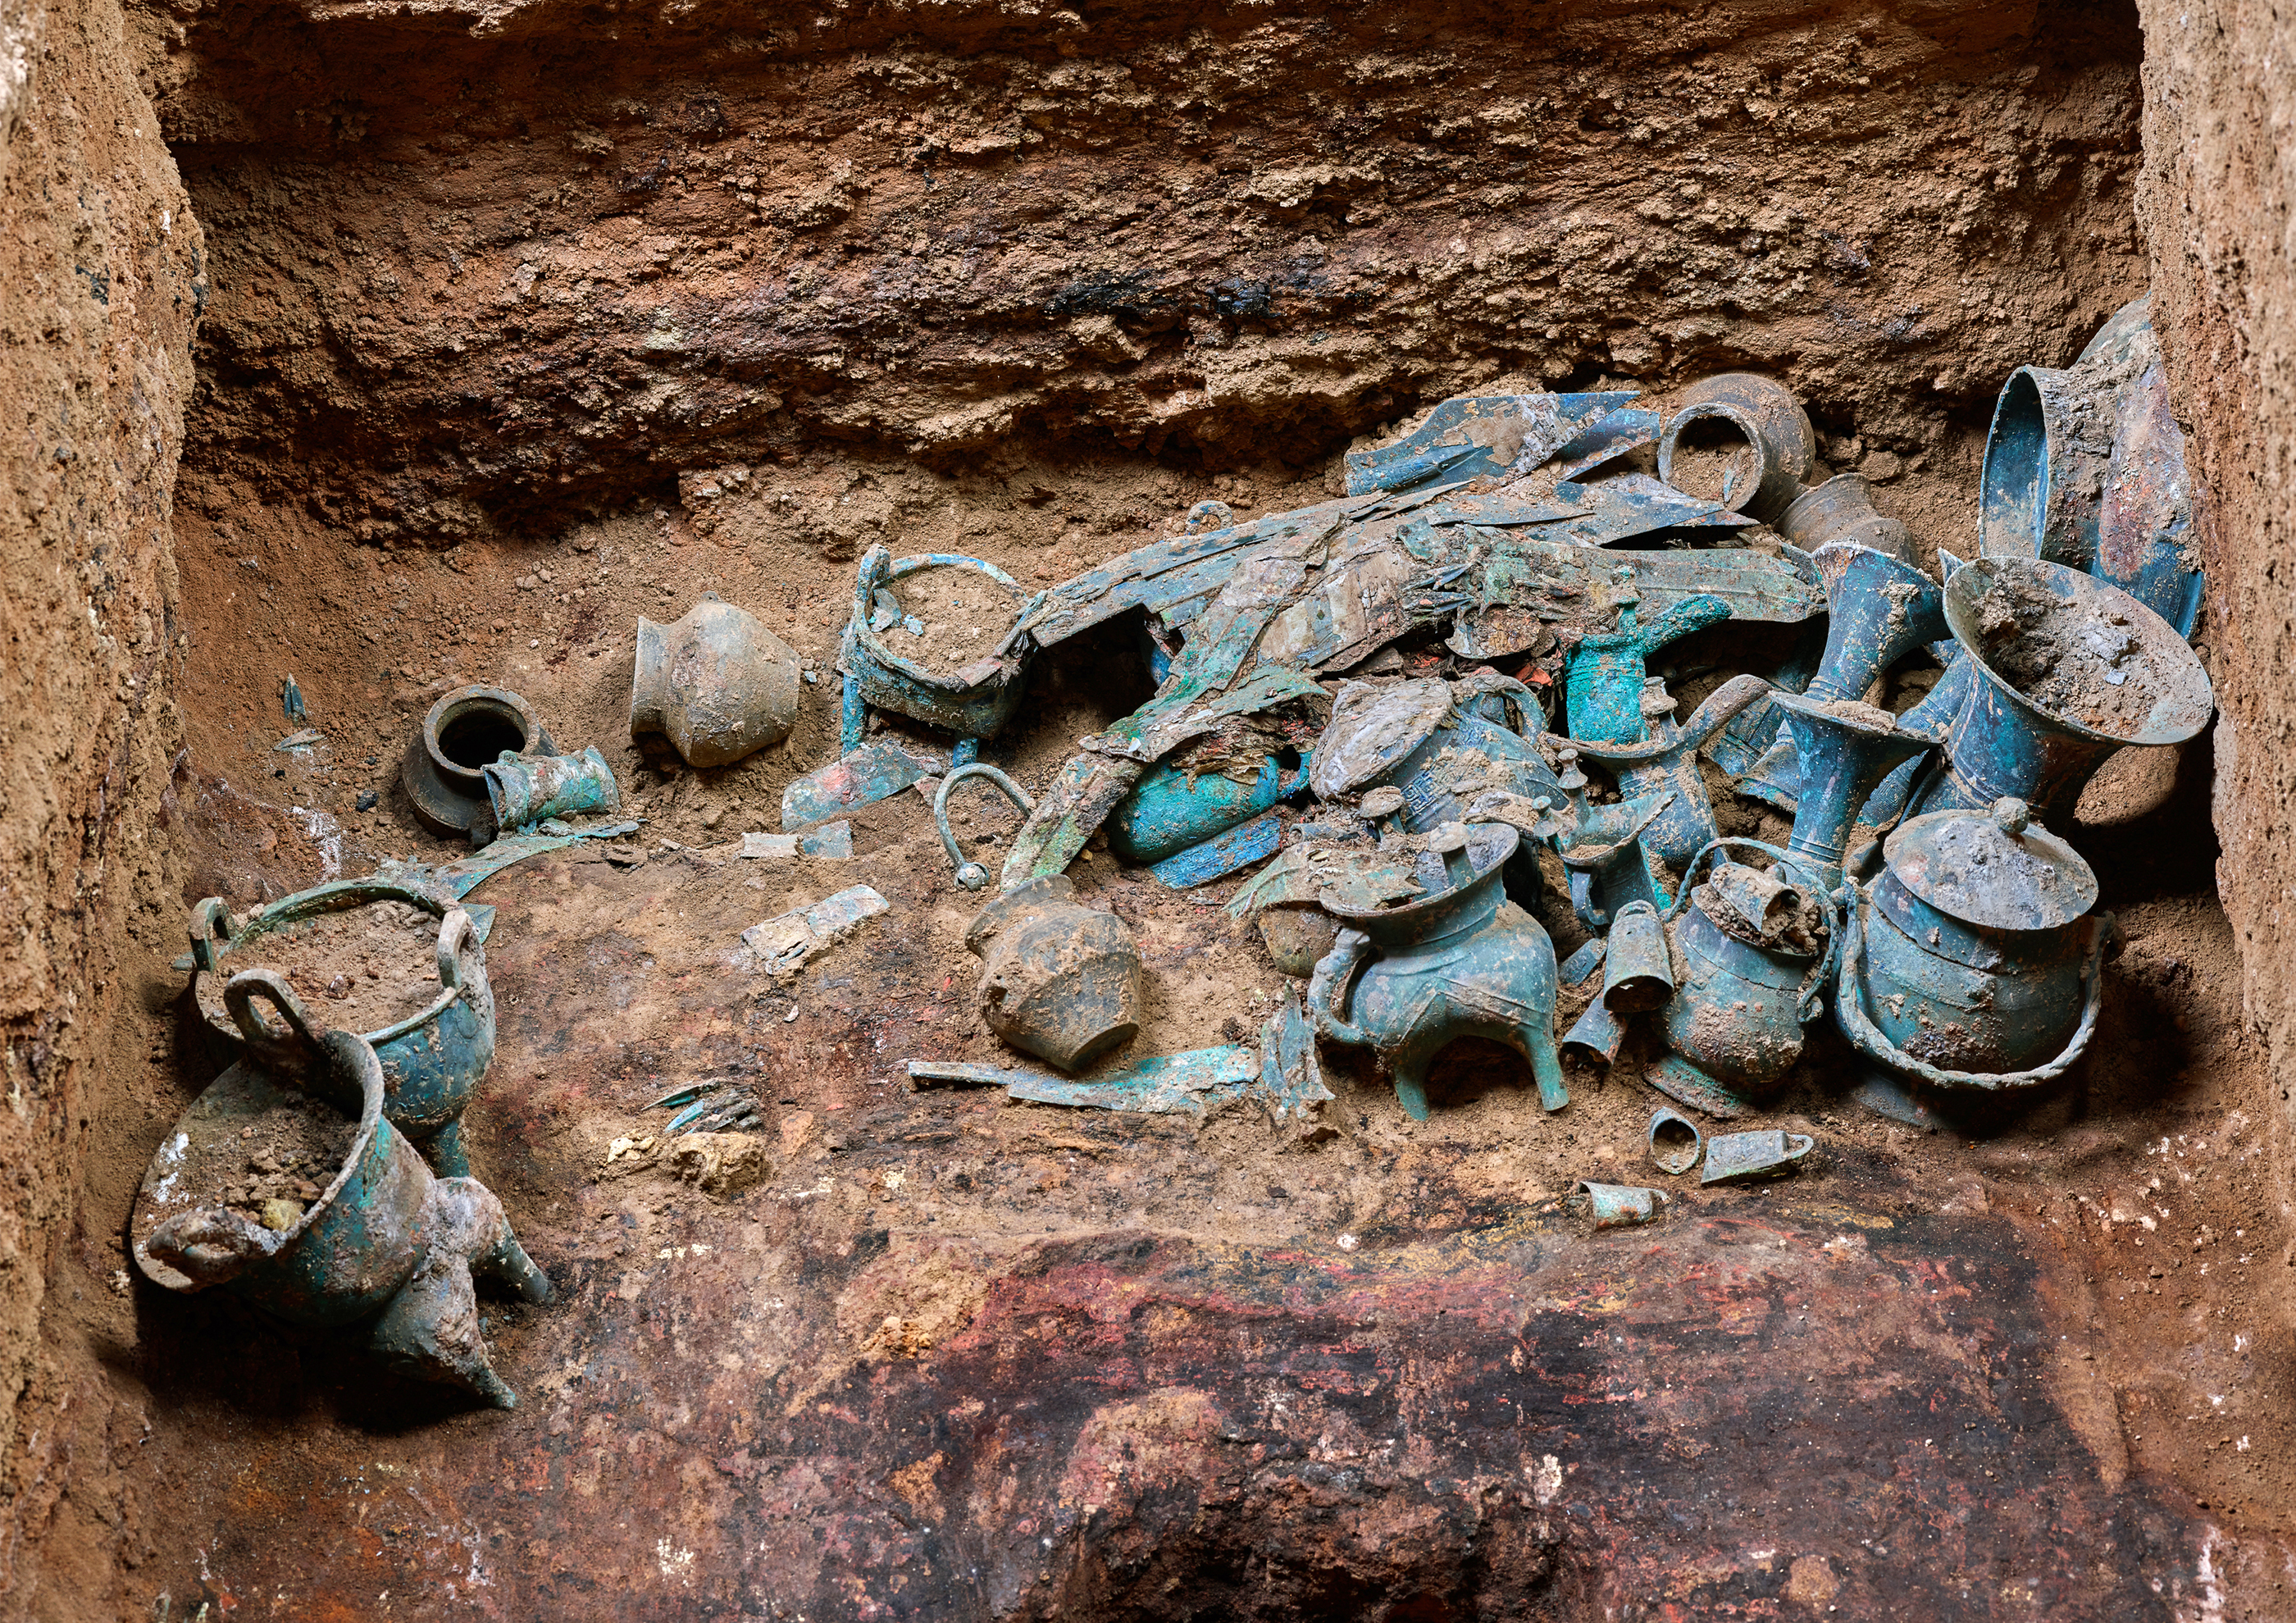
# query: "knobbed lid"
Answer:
x=1996 y=869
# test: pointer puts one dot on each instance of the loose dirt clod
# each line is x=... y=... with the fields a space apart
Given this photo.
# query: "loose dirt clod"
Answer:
x=359 y=969
x=2090 y=668
x=1855 y=711
x=292 y=1154
x=1714 y=469
x=965 y=613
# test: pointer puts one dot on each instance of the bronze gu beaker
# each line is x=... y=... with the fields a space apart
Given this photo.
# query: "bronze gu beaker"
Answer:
x=1880 y=609
x=2149 y=689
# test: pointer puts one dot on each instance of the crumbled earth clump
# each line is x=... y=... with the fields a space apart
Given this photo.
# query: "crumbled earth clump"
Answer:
x=1717 y=466
x=965 y=614
x=291 y=1153
x=359 y=968
x=2090 y=665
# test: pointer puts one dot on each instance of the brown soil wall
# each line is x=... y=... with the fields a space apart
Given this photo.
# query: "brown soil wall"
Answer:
x=2216 y=205
x=102 y=279
x=481 y=268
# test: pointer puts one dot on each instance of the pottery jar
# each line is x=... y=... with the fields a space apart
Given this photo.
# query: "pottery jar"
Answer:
x=715 y=683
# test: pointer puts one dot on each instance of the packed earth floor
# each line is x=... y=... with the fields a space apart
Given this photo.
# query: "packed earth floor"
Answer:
x=932 y=1352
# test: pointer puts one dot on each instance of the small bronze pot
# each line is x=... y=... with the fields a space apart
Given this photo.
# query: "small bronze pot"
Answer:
x=1062 y=980
x=465 y=732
